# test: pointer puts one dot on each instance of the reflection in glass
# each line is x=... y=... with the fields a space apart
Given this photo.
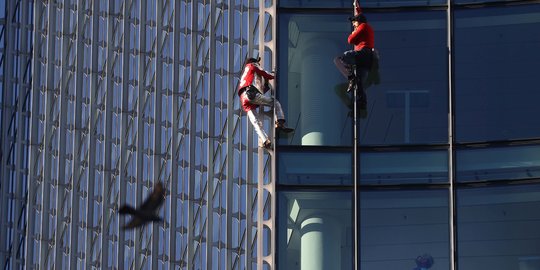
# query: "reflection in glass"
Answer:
x=500 y=163
x=498 y=228
x=410 y=106
x=315 y=168
x=315 y=231
x=364 y=3
x=382 y=168
x=309 y=82
x=398 y=226
x=496 y=72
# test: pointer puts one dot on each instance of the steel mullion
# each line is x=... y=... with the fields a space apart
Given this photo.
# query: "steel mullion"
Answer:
x=183 y=107
x=260 y=161
x=140 y=121
x=107 y=164
x=7 y=113
x=48 y=134
x=175 y=147
x=192 y=135
x=92 y=137
x=157 y=123
x=211 y=126
x=33 y=172
x=453 y=256
x=230 y=122
x=77 y=166
x=61 y=180
x=125 y=127
x=21 y=141
x=249 y=161
x=271 y=44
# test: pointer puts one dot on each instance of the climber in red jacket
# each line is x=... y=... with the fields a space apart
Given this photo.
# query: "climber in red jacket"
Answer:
x=361 y=57
x=253 y=85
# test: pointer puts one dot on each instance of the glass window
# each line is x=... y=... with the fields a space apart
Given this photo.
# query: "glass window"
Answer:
x=315 y=168
x=396 y=227
x=409 y=106
x=498 y=163
x=363 y=3
x=496 y=72
x=315 y=231
x=404 y=167
x=498 y=228
x=309 y=83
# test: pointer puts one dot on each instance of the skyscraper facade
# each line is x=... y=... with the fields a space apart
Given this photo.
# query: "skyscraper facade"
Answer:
x=99 y=100
x=444 y=173
x=102 y=99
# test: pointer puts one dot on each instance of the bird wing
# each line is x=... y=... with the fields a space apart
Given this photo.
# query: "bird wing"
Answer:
x=126 y=209
x=135 y=222
x=155 y=199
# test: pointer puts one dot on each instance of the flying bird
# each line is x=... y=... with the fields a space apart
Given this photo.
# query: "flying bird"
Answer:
x=147 y=212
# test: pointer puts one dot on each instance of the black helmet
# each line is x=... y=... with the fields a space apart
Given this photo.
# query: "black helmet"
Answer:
x=252 y=60
x=359 y=18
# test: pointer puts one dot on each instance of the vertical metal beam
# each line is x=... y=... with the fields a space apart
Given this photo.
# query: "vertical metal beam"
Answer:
x=34 y=179
x=158 y=95
x=451 y=170
x=49 y=128
x=230 y=122
x=250 y=179
x=108 y=149
x=267 y=206
x=355 y=206
x=192 y=134
x=143 y=52
x=77 y=165
x=260 y=161
x=175 y=117
x=91 y=129
x=124 y=133
x=63 y=91
x=8 y=111
x=22 y=145
x=211 y=153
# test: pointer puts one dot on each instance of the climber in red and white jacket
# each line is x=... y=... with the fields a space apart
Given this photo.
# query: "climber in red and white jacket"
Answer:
x=253 y=85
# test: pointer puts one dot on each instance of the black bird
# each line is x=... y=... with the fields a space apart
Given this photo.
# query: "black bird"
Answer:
x=147 y=212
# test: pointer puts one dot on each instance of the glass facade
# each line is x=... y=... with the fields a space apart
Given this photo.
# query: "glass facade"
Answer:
x=99 y=100
x=446 y=164
x=102 y=99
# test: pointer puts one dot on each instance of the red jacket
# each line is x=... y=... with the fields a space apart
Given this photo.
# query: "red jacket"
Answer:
x=253 y=75
x=362 y=36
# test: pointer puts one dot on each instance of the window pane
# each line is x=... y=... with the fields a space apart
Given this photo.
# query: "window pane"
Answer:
x=398 y=226
x=315 y=230
x=363 y=3
x=315 y=168
x=497 y=56
x=500 y=163
x=380 y=168
x=498 y=228
x=409 y=106
x=308 y=80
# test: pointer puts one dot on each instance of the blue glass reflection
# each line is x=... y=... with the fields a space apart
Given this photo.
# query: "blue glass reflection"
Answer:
x=363 y=3
x=309 y=83
x=384 y=168
x=315 y=168
x=500 y=163
x=398 y=226
x=410 y=106
x=315 y=230
x=496 y=72
x=497 y=228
